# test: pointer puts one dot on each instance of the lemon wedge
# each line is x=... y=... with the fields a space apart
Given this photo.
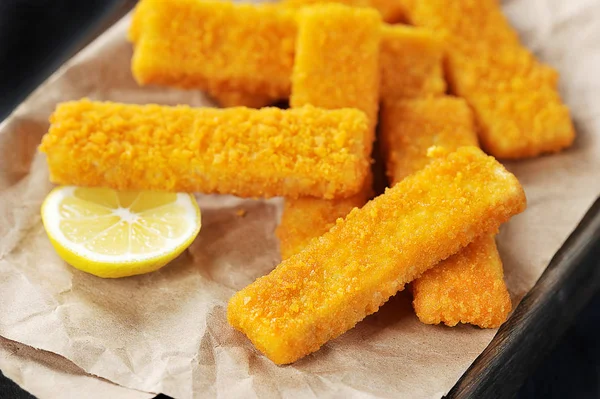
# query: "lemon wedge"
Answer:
x=117 y=234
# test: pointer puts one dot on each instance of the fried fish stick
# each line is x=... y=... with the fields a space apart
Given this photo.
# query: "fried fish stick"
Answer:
x=410 y=59
x=540 y=114
x=514 y=96
x=214 y=46
x=332 y=71
x=467 y=25
x=353 y=269
x=245 y=152
x=410 y=127
x=467 y=287
x=411 y=63
x=337 y=59
x=391 y=10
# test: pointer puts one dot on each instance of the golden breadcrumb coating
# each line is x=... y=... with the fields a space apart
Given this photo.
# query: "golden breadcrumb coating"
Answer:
x=332 y=71
x=214 y=46
x=137 y=20
x=467 y=24
x=410 y=59
x=245 y=152
x=465 y=288
x=409 y=127
x=513 y=70
x=350 y=271
x=411 y=63
x=306 y=218
x=519 y=125
x=514 y=96
x=337 y=59
x=391 y=10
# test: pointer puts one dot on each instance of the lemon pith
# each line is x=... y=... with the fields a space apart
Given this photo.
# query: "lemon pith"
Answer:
x=117 y=234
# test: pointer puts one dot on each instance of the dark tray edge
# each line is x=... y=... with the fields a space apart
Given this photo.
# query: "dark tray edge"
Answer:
x=543 y=316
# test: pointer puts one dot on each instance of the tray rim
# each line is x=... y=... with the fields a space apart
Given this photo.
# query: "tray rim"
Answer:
x=541 y=318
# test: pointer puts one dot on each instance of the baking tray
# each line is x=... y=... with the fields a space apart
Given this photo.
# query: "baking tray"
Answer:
x=534 y=328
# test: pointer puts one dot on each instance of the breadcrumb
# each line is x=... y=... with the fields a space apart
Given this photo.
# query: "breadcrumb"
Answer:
x=465 y=288
x=349 y=272
x=411 y=63
x=409 y=127
x=305 y=219
x=514 y=96
x=391 y=10
x=245 y=152
x=214 y=46
x=232 y=71
x=468 y=25
x=519 y=125
x=337 y=59
x=332 y=71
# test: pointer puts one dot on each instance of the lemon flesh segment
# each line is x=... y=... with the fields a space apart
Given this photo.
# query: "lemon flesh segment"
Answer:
x=117 y=234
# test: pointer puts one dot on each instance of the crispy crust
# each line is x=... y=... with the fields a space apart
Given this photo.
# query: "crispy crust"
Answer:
x=214 y=46
x=391 y=10
x=465 y=288
x=411 y=63
x=334 y=70
x=305 y=219
x=469 y=286
x=410 y=58
x=409 y=127
x=325 y=76
x=354 y=268
x=514 y=96
x=245 y=152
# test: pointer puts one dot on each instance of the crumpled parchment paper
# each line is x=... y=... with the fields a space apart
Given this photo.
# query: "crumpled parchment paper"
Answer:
x=47 y=375
x=167 y=331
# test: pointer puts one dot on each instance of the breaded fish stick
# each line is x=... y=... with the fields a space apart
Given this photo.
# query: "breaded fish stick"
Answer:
x=467 y=287
x=245 y=152
x=391 y=10
x=353 y=269
x=514 y=96
x=214 y=46
x=337 y=60
x=410 y=59
x=332 y=71
x=411 y=63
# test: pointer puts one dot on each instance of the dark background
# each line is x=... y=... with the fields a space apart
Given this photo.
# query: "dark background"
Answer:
x=37 y=36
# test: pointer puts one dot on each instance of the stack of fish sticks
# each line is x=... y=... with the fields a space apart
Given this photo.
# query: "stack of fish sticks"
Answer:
x=358 y=84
